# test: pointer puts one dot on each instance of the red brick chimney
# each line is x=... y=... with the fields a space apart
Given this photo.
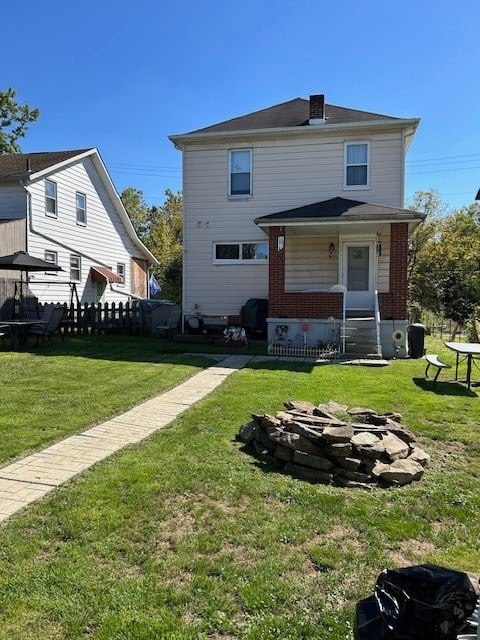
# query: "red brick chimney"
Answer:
x=317 y=109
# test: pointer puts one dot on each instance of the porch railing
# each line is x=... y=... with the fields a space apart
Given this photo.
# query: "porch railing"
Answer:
x=377 y=322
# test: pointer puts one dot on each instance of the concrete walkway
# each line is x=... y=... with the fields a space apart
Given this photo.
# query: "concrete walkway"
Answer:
x=32 y=477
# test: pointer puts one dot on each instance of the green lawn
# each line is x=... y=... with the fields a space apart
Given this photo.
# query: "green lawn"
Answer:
x=185 y=536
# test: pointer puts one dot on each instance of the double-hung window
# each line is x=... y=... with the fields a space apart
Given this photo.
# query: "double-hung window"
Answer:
x=244 y=252
x=51 y=198
x=357 y=165
x=121 y=271
x=75 y=268
x=81 y=205
x=240 y=172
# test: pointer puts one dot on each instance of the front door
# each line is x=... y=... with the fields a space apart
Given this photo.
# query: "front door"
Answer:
x=358 y=278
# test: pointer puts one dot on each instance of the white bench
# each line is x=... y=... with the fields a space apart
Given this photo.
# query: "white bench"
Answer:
x=434 y=361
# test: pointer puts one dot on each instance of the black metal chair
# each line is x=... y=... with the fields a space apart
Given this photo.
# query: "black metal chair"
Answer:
x=45 y=331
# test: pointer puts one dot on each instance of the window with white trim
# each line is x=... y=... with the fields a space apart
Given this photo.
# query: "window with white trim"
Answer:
x=52 y=257
x=121 y=272
x=51 y=198
x=81 y=205
x=75 y=268
x=357 y=165
x=244 y=252
x=240 y=172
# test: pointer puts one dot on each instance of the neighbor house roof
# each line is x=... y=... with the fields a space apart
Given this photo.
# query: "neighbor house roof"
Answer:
x=339 y=209
x=30 y=167
x=294 y=113
x=19 y=166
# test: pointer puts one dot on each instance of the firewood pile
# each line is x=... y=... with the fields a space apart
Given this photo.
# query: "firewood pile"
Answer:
x=334 y=444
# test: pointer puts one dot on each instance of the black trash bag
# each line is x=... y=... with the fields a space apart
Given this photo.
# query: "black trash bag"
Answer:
x=424 y=602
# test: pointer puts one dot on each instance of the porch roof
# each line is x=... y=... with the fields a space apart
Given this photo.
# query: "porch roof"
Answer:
x=339 y=210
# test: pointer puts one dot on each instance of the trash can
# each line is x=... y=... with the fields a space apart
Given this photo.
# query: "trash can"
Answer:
x=416 y=340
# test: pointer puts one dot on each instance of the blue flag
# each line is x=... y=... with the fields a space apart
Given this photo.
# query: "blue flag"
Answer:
x=154 y=286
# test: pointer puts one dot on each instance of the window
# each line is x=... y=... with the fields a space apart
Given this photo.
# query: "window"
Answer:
x=240 y=172
x=51 y=198
x=121 y=271
x=248 y=252
x=51 y=256
x=75 y=268
x=81 y=202
x=357 y=165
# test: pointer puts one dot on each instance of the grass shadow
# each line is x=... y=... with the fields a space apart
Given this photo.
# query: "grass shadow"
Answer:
x=444 y=388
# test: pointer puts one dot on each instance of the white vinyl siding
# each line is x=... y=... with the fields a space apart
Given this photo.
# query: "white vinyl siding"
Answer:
x=288 y=173
x=308 y=265
x=103 y=241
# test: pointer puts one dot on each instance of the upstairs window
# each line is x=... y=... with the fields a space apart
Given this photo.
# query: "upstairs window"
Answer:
x=81 y=204
x=240 y=172
x=51 y=198
x=75 y=268
x=245 y=252
x=357 y=165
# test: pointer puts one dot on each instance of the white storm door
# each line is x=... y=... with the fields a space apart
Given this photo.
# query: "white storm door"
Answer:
x=358 y=274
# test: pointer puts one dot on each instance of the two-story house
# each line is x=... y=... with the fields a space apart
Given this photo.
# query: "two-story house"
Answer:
x=62 y=207
x=301 y=204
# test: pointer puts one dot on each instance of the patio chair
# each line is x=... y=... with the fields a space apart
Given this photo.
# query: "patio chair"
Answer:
x=4 y=332
x=45 y=331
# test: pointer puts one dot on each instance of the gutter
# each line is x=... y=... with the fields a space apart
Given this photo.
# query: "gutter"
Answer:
x=307 y=130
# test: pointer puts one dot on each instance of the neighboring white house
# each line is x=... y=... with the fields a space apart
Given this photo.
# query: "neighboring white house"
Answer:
x=62 y=207
x=298 y=203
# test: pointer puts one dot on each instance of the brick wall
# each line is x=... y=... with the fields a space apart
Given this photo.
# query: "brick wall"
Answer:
x=394 y=303
x=295 y=304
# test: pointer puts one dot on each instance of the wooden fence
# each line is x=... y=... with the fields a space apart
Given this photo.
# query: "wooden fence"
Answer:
x=94 y=318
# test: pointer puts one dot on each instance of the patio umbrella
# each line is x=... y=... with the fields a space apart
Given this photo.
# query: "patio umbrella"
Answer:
x=24 y=262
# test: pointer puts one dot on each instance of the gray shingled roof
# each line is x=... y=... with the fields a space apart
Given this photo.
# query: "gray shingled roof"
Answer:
x=340 y=208
x=16 y=166
x=294 y=113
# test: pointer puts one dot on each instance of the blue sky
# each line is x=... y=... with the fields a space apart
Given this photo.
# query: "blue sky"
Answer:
x=121 y=76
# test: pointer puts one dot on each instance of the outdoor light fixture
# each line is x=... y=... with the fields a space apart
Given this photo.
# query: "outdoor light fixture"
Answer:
x=280 y=242
x=331 y=249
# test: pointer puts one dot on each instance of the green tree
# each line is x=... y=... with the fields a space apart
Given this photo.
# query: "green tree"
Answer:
x=165 y=241
x=161 y=230
x=138 y=211
x=14 y=121
x=444 y=273
x=421 y=295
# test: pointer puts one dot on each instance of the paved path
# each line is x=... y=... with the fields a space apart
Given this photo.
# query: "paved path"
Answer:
x=32 y=477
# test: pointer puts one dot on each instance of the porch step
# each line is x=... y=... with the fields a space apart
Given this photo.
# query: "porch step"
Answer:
x=360 y=313
x=361 y=338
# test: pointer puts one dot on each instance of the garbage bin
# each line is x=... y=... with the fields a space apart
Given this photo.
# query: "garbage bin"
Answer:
x=416 y=340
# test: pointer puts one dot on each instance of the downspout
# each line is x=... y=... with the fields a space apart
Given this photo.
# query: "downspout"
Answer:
x=54 y=240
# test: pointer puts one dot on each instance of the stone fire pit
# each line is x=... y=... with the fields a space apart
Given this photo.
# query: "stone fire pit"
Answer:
x=334 y=444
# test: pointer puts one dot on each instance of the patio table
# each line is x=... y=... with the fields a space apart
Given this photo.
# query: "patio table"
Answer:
x=19 y=329
x=468 y=350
